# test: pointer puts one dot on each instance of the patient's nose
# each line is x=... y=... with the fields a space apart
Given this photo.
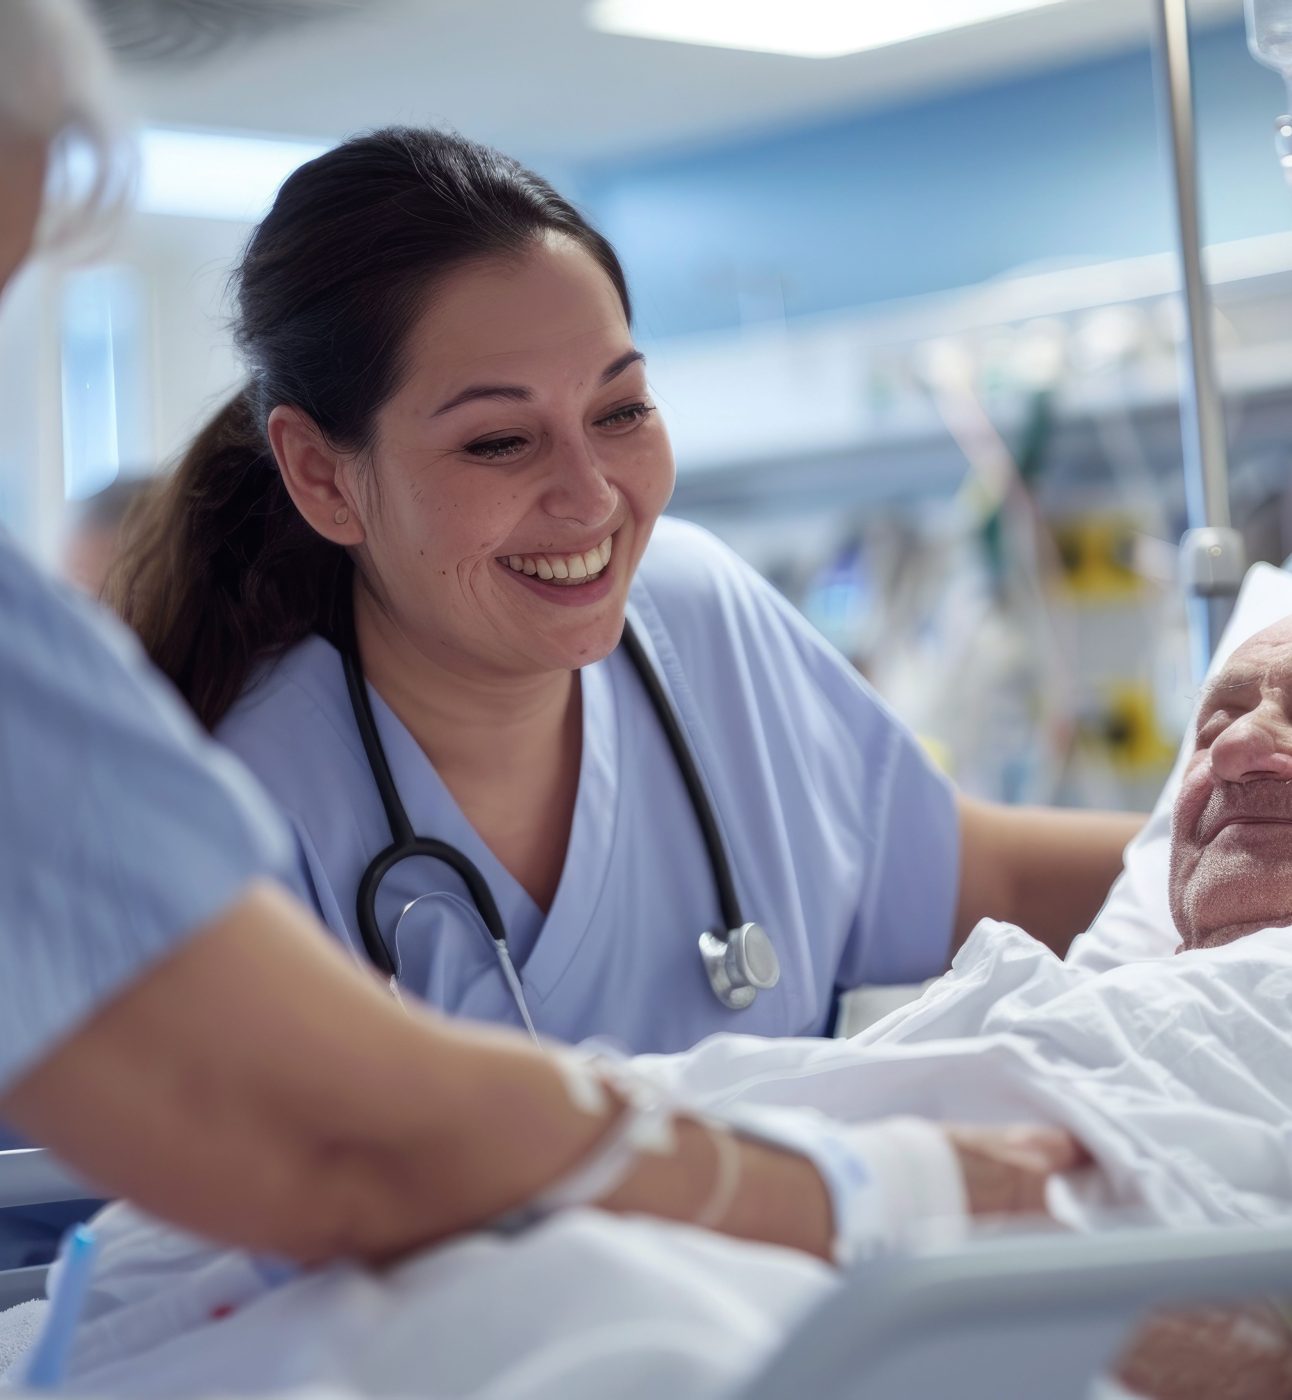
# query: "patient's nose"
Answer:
x=1255 y=746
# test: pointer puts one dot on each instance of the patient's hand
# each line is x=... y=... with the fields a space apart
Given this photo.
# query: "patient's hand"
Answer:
x=1210 y=1354
x=1006 y=1169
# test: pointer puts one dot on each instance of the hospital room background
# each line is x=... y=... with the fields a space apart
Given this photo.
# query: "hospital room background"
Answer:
x=911 y=313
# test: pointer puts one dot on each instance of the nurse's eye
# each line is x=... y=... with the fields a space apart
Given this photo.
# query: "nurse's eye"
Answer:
x=627 y=417
x=496 y=449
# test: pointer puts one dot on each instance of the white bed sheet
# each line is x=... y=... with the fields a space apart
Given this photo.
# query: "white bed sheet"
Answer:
x=1177 y=1073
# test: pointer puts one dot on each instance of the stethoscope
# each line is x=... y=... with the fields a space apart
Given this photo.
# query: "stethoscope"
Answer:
x=740 y=961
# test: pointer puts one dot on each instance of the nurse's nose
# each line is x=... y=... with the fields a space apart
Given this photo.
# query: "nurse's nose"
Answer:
x=1257 y=745
x=578 y=490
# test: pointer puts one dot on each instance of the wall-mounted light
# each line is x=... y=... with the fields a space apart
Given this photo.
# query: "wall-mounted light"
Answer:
x=804 y=28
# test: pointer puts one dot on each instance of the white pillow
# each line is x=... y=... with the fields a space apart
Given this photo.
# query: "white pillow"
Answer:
x=1135 y=921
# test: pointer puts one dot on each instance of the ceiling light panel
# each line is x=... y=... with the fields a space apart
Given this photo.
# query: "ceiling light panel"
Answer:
x=803 y=28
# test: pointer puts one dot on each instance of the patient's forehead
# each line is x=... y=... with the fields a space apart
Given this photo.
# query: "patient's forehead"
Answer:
x=1262 y=659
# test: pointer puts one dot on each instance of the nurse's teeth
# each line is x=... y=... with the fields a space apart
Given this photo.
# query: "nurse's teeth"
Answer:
x=570 y=568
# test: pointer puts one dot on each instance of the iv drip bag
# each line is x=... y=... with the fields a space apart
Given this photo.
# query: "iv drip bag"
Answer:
x=1269 y=37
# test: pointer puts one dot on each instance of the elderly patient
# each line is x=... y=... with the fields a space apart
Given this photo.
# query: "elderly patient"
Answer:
x=1175 y=1072
x=1231 y=838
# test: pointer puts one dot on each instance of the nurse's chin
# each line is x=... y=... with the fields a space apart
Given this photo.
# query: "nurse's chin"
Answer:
x=571 y=647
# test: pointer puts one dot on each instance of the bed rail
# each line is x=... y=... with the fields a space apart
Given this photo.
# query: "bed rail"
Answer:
x=1009 y=1317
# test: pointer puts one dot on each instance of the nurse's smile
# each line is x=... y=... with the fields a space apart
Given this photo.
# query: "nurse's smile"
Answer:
x=573 y=580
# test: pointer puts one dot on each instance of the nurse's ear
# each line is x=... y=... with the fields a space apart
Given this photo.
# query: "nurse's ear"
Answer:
x=319 y=479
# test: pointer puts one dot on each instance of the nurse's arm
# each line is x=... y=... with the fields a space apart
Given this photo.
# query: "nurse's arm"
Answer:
x=254 y=1087
x=1045 y=869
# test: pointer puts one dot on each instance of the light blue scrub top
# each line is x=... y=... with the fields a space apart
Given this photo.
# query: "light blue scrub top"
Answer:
x=124 y=827
x=842 y=837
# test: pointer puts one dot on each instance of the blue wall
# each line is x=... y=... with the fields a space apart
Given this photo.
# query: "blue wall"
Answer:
x=1063 y=165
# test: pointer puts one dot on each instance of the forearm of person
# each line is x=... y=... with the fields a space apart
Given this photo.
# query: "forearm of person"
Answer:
x=1046 y=869
x=256 y=1088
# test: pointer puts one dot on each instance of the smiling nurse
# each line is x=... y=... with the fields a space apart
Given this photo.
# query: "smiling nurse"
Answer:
x=445 y=477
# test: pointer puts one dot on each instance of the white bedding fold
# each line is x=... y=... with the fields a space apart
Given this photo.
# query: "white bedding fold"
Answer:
x=1176 y=1072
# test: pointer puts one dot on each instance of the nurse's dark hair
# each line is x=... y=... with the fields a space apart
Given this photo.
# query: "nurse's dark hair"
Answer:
x=219 y=571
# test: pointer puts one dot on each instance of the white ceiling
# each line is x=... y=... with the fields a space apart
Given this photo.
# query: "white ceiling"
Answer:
x=529 y=76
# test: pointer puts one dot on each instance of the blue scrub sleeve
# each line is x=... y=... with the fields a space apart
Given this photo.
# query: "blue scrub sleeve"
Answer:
x=903 y=813
x=884 y=792
x=125 y=827
x=907 y=919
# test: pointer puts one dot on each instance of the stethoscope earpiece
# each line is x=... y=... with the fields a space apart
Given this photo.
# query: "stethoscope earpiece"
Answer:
x=740 y=965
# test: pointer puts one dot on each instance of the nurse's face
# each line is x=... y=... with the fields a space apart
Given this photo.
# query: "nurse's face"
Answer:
x=519 y=470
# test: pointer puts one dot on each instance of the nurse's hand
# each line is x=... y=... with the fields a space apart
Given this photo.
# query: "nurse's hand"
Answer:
x=1006 y=1169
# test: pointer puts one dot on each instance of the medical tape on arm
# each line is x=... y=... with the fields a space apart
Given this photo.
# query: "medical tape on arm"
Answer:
x=888 y=1181
x=643 y=1124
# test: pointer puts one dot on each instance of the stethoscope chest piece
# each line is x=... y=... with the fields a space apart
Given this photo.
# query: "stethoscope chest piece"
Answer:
x=740 y=965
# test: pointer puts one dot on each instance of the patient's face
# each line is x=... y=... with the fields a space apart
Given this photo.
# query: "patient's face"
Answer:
x=1231 y=839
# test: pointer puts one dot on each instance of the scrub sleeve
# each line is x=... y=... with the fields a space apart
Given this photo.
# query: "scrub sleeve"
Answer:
x=125 y=828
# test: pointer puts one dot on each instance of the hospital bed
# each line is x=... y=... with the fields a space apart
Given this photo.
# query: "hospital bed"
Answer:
x=33 y=1177
x=1006 y=1317
x=1014 y=1318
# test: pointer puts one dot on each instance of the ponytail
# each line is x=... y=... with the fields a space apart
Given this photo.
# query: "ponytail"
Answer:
x=219 y=570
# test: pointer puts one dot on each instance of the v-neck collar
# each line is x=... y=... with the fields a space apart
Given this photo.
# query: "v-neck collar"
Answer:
x=548 y=941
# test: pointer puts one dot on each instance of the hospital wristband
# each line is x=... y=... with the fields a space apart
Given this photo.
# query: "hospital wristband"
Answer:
x=726 y=1177
x=885 y=1180
x=644 y=1124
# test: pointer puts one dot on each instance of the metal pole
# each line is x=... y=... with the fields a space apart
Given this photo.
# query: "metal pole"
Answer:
x=1211 y=552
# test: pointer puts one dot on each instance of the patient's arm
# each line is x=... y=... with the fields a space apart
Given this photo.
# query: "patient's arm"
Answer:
x=1046 y=870
x=255 y=1088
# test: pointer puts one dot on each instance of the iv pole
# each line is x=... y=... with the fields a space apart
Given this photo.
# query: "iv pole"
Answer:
x=1211 y=551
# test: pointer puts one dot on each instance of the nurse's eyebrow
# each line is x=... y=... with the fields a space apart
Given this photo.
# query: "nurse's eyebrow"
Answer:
x=517 y=393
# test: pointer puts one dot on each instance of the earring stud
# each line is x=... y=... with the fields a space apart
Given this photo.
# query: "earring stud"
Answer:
x=342 y=516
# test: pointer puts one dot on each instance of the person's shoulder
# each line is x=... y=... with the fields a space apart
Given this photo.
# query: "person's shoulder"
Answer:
x=705 y=596
x=292 y=705
x=70 y=627
x=687 y=573
x=683 y=556
x=722 y=620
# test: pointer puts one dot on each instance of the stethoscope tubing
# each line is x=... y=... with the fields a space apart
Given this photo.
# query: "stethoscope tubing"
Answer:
x=406 y=844
x=685 y=760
